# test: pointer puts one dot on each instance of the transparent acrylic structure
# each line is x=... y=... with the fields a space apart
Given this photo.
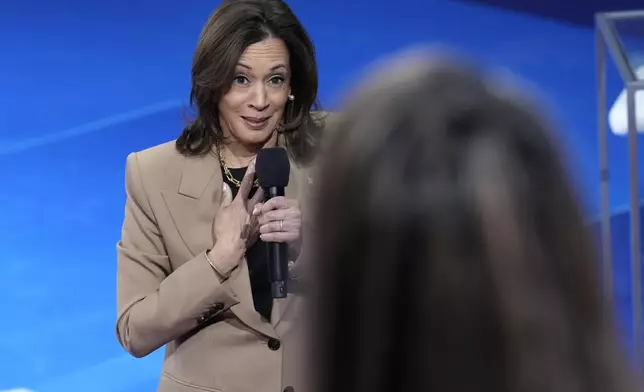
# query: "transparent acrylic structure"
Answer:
x=614 y=32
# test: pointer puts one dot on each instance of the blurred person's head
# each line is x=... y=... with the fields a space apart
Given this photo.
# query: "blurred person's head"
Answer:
x=451 y=252
x=254 y=74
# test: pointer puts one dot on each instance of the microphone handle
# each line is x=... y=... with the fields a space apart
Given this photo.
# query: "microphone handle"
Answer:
x=277 y=253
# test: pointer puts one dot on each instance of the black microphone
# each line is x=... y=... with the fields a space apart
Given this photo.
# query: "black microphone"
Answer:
x=273 y=169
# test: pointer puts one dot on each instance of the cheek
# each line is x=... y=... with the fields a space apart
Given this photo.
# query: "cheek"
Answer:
x=231 y=103
x=278 y=100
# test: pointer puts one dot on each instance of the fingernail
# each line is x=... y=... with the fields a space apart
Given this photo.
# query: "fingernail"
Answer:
x=256 y=211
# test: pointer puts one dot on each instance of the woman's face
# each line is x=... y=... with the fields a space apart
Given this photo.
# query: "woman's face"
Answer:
x=251 y=110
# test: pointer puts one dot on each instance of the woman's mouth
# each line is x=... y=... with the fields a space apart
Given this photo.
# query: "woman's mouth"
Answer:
x=256 y=123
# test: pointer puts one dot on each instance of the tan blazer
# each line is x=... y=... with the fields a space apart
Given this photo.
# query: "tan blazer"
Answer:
x=169 y=295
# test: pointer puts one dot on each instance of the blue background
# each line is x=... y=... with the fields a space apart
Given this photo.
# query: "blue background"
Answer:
x=82 y=84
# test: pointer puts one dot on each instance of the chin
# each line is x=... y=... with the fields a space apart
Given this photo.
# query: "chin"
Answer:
x=255 y=137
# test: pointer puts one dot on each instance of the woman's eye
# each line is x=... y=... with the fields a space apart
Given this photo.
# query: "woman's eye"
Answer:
x=241 y=79
x=277 y=80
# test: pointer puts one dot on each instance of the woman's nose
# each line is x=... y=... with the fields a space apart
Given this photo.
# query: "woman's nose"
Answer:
x=259 y=98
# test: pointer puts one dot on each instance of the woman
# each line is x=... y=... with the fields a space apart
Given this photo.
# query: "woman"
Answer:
x=451 y=253
x=191 y=261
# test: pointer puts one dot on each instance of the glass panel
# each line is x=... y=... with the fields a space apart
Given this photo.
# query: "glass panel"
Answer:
x=630 y=36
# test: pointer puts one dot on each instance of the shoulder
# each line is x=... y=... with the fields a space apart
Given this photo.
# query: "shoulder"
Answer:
x=328 y=122
x=157 y=167
x=325 y=120
x=320 y=126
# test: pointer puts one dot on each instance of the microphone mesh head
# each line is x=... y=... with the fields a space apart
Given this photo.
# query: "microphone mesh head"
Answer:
x=273 y=167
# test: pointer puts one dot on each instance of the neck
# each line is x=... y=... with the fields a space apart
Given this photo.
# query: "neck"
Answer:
x=237 y=154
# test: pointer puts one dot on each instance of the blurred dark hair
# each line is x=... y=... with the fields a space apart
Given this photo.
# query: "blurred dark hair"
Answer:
x=451 y=253
x=233 y=26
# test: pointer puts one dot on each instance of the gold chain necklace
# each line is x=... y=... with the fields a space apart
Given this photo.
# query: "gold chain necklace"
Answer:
x=227 y=172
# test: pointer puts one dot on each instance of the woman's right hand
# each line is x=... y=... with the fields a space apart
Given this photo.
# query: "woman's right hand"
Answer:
x=235 y=228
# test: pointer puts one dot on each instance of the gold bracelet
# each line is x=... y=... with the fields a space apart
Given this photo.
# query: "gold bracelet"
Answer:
x=222 y=275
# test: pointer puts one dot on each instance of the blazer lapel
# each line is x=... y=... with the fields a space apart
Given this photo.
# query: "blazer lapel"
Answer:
x=194 y=204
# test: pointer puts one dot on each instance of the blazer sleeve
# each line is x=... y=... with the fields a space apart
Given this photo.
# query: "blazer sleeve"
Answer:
x=156 y=305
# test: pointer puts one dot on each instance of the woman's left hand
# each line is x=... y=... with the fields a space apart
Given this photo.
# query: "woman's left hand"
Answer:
x=280 y=220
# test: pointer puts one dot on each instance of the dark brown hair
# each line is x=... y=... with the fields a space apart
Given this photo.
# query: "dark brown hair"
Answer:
x=450 y=250
x=233 y=26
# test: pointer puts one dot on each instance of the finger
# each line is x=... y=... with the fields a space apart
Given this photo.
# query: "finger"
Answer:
x=277 y=215
x=227 y=196
x=276 y=227
x=276 y=203
x=279 y=237
x=257 y=209
x=247 y=182
x=245 y=232
x=253 y=220
x=257 y=198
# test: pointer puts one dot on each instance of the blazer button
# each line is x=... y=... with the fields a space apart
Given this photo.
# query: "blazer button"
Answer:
x=289 y=389
x=274 y=344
